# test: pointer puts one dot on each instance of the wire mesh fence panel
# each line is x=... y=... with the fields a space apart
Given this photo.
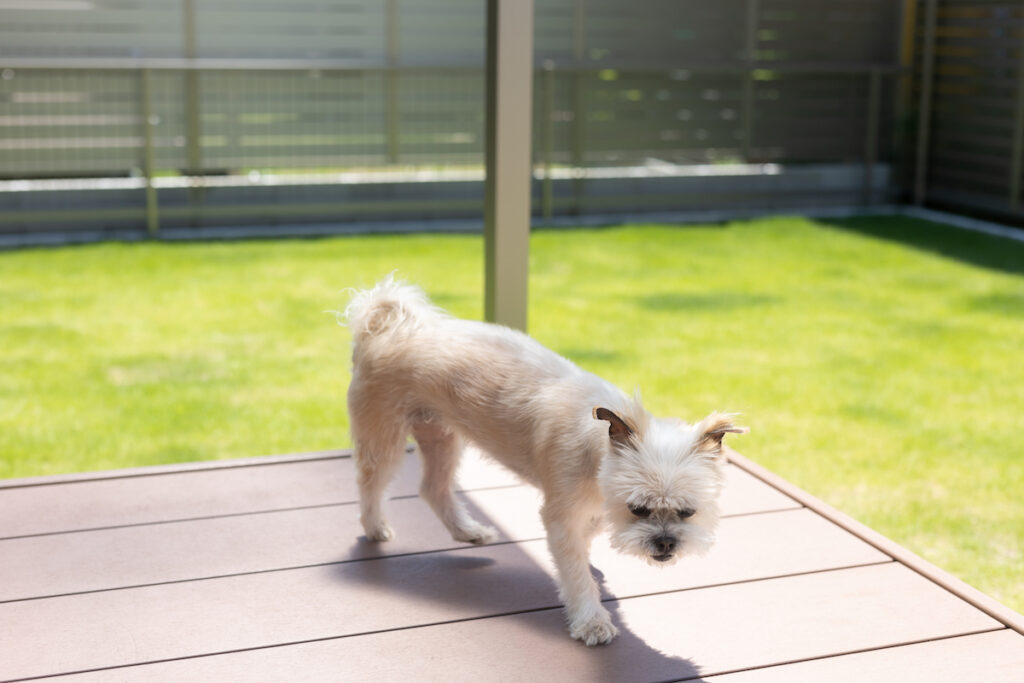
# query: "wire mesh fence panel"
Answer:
x=280 y=121
x=63 y=122
x=344 y=30
x=663 y=32
x=440 y=32
x=226 y=110
x=677 y=116
x=441 y=118
x=92 y=28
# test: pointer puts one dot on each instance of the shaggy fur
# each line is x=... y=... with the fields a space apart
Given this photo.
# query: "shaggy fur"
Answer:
x=596 y=455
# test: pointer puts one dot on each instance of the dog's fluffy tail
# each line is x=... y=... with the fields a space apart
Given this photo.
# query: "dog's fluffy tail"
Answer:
x=390 y=305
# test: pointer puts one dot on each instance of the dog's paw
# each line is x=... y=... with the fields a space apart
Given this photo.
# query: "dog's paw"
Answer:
x=382 y=532
x=477 y=534
x=597 y=630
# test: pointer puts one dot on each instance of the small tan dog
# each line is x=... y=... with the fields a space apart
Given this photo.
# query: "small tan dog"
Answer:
x=594 y=453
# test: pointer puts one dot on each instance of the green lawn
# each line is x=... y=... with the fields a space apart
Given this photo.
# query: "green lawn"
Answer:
x=878 y=361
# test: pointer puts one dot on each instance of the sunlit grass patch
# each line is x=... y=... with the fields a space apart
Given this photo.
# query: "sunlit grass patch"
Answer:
x=878 y=361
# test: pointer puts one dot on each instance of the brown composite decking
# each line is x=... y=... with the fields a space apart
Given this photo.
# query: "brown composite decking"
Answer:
x=255 y=570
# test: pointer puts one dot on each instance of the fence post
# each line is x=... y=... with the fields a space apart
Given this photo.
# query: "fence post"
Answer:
x=193 y=149
x=152 y=207
x=391 y=81
x=924 y=113
x=871 y=135
x=547 y=139
x=749 y=56
x=579 y=105
x=1017 y=149
x=903 y=86
x=193 y=123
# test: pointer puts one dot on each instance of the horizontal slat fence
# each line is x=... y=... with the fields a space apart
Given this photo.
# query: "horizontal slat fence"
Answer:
x=970 y=68
x=259 y=90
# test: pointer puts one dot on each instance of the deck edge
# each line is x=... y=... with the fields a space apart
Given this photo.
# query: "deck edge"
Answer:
x=983 y=602
x=176 y=468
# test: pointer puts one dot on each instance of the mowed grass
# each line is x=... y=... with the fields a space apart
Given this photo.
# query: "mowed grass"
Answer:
x=878 y=361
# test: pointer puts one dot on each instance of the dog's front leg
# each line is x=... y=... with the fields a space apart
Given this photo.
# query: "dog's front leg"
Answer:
x=569 y=535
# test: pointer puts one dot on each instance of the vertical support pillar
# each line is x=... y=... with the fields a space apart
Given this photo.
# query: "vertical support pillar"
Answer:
x=1017 y=148
x=508 y=146
x=924 y=110
x=193 y=124
x=152 y=207
x=547 y=139
x=904 y=95
x=750 y=57
x=391 y=81
x=871 y=135
x=193 y=149
x=578 y=140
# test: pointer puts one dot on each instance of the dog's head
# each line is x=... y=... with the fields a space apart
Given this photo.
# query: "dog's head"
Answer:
x=661 y=481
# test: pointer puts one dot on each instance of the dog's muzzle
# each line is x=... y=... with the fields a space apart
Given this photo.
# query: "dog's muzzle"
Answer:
x=663 y=548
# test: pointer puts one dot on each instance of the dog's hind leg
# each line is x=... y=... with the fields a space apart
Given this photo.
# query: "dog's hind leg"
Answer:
x=378 y=453
x=440 y=449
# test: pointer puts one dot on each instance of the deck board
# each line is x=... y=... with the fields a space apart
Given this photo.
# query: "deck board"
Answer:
x=74 y=505
x=993 y=656
x=349 y=598
x=257 y=571
x=137 y=556
x=715 y=629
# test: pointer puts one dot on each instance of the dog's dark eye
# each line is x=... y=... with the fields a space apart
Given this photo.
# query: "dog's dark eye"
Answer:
x=640 y=510
x=686 y=513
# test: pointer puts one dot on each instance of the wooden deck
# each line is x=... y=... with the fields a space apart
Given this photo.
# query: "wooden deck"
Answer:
x=255 y=570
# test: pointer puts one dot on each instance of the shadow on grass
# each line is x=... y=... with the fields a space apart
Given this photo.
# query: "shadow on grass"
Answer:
x=704 y=302
x=1002 y=303
x=581 y=355
x=987 y=251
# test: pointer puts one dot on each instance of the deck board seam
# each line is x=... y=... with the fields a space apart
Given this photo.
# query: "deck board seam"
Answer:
x=833 y=655
x=230 y=515
x=551 y=607
x=291 y=643
x=173 y=470
x=221 y=653
x=257 y=572
x=416 y=553
x=447 y=549
x=740 y=582
x=796 y=505
x=972 y=596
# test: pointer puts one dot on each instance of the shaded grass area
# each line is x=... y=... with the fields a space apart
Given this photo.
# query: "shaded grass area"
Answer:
x=878 y=360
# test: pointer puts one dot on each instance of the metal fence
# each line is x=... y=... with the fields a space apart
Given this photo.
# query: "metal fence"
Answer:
x=124 y=114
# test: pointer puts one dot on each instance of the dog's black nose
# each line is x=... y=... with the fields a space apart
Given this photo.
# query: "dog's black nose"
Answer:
x=665 y=544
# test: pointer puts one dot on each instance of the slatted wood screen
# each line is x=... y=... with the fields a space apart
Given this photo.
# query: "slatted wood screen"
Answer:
x=976 y=123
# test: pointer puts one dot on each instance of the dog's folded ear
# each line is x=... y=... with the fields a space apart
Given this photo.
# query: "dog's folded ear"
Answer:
x=713 y=428
x=618 y=430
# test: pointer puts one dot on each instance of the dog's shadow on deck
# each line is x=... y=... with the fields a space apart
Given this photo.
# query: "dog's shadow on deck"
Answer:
x=497 y=601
